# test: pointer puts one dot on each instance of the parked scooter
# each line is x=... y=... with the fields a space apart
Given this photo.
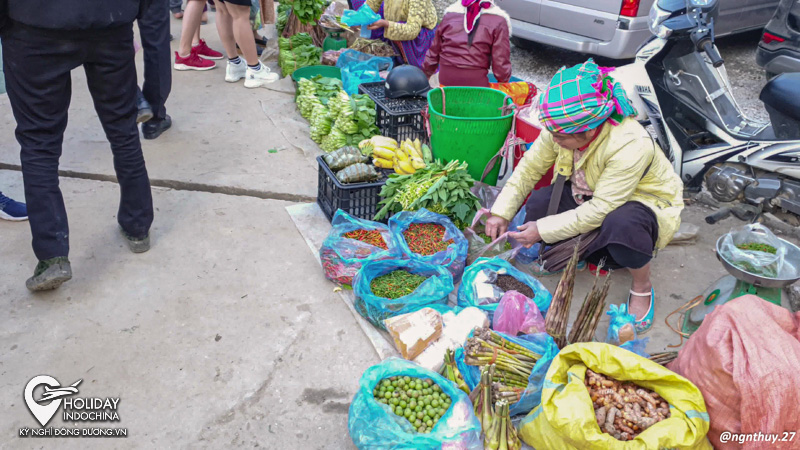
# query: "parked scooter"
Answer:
x=680 y=86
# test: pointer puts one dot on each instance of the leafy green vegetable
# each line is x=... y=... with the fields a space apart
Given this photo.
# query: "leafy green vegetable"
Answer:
x=307 y=11
x=429 y=188
x=284 y=9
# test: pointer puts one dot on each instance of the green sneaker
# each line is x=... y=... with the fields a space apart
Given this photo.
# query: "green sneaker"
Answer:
x=137 y=245
x=50 y=274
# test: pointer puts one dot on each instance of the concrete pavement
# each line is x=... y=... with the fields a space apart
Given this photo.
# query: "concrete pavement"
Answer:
x=226 y=333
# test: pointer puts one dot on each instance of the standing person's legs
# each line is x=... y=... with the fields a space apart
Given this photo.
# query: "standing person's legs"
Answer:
x=154 y=31
x=39 y=90
x=188 y=57
x=190 y=26
x=176 y=8
x=224 y=22
x=242 y=30
x=111 y=77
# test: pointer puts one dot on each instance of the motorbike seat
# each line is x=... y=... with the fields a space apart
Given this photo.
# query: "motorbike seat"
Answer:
x=783 y=94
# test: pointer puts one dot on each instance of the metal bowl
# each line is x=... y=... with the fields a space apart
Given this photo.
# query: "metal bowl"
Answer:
x=792 y=257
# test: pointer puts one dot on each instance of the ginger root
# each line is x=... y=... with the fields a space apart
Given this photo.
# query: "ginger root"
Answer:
x=623 y=409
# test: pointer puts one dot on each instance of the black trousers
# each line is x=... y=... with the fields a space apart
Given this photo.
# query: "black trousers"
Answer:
x=154 y=31
x=37 y=66
x=627 y=236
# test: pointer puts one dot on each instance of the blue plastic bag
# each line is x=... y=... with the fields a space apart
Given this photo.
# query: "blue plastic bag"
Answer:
x=376 y=309
x=540 y=343
x=373 y=425
x=638 y=346
x=342 y=258
x=620 y=320
x=474 y=292
x=358 y=68
x=454 y=258
x=362 y=17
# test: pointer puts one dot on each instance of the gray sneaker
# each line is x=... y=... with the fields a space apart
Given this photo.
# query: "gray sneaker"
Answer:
x=137 y=245
x=50 y=274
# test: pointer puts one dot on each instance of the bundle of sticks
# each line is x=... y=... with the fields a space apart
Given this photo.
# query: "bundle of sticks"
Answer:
x=594 y=304
x=556 y=321
x=663 y=358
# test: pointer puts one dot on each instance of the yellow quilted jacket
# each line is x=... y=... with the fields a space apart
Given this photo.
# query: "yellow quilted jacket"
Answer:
x=614 y=164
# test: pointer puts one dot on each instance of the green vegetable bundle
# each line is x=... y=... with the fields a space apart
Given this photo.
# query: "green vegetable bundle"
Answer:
x=444 y=189
x=296 y=52
x=284 y=9
x=308 y=11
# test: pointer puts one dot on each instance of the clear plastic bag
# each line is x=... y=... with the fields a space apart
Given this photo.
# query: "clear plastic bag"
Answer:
x=638 y=346
x=517 y=314
x=761 y=263
x=373 y=426
x=342 y=257
x=504 y=247
x=476 y=286
x=432 y=291
x=358 y=68
x=540 y=343
x=453 y=258
x=621 y=326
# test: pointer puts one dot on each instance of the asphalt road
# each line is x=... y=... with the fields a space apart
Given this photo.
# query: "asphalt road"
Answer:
x=540 y=63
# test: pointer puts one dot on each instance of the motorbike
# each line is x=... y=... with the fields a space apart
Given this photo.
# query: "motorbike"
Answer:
x=679 y=86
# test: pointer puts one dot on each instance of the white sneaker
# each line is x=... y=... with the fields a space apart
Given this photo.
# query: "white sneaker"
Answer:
x=235 y=72
x=260 y=77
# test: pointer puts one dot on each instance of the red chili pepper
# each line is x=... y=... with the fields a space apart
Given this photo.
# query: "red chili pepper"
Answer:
x=426 y=238
x=371 y=237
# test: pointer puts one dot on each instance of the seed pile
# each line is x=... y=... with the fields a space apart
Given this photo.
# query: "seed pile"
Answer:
x=396 y=284
x=509 y=283
x=426 y=238
x=371 y=237
x=421 y=402
x=623 y=409
x=756 y=247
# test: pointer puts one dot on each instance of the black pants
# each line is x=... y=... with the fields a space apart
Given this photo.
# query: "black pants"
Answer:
x=154 y=31
x=627 y=236
x=37 y=66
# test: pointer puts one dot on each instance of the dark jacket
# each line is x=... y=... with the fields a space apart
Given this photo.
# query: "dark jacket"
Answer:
x=490 y=45
x=74 y=14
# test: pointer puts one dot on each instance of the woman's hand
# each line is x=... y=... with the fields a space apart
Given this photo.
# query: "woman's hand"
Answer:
x=383 y=23
x=527 y=235
x=496 y=226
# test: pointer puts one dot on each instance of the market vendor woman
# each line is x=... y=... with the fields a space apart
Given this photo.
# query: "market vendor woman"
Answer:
x=408 y=24
x=473 y=37
x=619 y=181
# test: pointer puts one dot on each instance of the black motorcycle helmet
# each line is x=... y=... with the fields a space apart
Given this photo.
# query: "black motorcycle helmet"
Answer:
x=406 y=81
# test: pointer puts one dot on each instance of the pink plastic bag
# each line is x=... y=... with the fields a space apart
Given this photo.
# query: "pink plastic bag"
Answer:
x=517 y=314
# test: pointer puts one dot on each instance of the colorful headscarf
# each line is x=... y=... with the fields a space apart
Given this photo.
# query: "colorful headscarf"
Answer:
x=474 y=10
x=582 y=98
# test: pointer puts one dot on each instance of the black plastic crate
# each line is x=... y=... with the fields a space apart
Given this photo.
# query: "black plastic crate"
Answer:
x=399 y=119
x=357 y=199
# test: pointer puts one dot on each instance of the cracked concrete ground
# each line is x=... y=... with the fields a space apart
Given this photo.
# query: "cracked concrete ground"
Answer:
x=225 y=334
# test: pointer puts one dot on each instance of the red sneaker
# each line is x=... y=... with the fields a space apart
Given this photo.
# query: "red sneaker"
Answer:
x=192 y=62
x=202 y=49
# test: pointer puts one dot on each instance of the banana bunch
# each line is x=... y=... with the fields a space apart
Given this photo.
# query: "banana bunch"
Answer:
x=405 y=158
x=382 y=150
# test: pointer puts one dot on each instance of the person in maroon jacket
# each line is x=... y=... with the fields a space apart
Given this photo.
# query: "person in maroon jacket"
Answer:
x=473 y=36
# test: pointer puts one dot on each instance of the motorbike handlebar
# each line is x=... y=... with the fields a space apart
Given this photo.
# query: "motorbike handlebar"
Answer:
x=713 y=54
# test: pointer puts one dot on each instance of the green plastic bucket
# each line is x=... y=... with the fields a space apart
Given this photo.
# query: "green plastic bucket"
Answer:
x=469 y=127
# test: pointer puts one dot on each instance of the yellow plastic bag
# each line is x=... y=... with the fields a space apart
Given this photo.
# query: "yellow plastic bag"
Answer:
x=565 y=419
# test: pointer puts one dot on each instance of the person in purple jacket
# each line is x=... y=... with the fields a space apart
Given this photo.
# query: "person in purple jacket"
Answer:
x=473 y=36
